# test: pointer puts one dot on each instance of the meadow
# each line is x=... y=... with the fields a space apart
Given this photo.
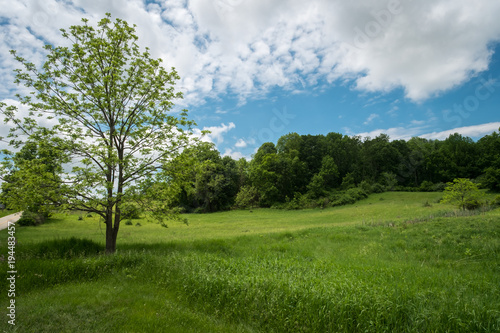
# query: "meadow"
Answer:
x=395 y=262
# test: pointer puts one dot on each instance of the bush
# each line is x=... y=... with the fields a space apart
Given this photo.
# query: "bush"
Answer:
x=472 y=204
x=32 y=219
x=365 y=186
x=496 y=201
x=128 y=222
x=378 y=188
x=439 y=187
x=426 y=186
x=344 y=200
x=247 y=197
x=356 y=193
x=299 y=201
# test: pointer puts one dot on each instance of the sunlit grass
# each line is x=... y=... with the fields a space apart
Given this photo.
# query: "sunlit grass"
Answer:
x=390 y=263
x=393 y=206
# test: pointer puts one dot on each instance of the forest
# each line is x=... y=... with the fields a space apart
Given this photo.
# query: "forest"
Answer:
x=306 y=171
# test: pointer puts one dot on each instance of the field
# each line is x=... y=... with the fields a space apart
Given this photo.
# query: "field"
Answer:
x=395 y=262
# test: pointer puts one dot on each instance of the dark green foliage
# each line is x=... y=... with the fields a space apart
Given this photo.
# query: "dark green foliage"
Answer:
x=348 y=182
x=29 y=218
x=200 y=180
x=378 y=188
x=491 y=179
x=472 y=204
x=301 y=171
x=496 y=202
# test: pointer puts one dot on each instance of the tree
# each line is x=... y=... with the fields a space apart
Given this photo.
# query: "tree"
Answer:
x=200 y=179
x=491 y=179
x=247 y=197
x=32 y=177
x=111 y=102
x=325 y=179
x=463 y=193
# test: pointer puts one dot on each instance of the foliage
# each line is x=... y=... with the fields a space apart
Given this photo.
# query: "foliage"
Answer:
x=496 y=201
x=348 y=182
x=199 y=179
x=463 y=193
x=32 y=176
x=247 y=197
x=110 y=103
x=491 y=179
x=29 y=218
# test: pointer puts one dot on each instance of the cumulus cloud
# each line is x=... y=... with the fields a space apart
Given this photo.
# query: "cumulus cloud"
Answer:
x=246 y=48
x=235 y=155
x=216 y=134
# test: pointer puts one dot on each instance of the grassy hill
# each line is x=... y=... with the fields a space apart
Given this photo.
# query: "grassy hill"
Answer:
x=396 y=262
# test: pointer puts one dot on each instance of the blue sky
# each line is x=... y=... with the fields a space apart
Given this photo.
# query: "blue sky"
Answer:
x=253 y=70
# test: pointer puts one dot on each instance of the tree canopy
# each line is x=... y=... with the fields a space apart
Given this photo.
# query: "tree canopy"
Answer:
x=111 y=106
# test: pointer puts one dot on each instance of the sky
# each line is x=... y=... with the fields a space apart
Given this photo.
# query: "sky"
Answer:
x=254 y=70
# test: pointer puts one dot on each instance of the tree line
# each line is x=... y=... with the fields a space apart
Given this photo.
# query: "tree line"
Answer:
x=321 y=170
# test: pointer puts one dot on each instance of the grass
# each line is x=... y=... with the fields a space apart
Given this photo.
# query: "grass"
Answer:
x=5 y=212
x=388 y=263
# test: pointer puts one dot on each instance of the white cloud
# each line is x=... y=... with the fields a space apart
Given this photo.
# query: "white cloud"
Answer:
x=216 y=134
x=475 y=131
x=406 y=133
x=370 y=118
x=247 y=48
x=235 y=155
x=240 y=143
x=395 y=133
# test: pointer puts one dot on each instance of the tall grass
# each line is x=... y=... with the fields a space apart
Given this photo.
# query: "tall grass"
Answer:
x=331 y=275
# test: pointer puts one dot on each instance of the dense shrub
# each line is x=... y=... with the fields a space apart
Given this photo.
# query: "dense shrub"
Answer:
x=366 y=186
x=472 y=204
x=426 y=186
x=377 y=188
x=496 y=201
x=32 y=219
x=357 y=193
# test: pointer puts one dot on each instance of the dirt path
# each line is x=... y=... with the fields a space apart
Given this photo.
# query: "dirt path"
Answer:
x=4 y=221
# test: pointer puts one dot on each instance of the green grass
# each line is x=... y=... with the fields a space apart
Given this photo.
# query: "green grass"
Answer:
x=5 y=212
x=389 y=263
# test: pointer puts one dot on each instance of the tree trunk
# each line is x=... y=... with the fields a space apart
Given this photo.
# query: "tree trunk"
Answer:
x=111 y=234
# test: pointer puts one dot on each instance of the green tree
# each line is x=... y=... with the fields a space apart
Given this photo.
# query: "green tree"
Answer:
x=463 y=193
x=32 y=177
x=491 y=179
x=325 y=179
x=111 y=102
x=200 y=179
x=248 y=196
